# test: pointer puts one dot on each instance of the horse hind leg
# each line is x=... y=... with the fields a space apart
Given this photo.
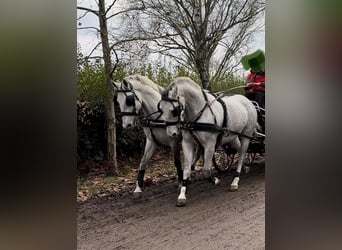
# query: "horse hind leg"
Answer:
x=242 y=152
x=236 y=144
x=149 y=150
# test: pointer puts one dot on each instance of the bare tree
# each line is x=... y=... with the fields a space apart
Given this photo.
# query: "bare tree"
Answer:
x=106 y=11
x=198 y=33
x=101 y=12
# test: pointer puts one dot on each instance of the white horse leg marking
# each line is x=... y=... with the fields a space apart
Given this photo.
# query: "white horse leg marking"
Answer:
x=188 y=151
x=149 y=150
x=244 y=146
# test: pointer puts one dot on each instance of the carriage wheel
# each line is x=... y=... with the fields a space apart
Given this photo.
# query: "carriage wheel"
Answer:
x=223 y=161
x=250 y=158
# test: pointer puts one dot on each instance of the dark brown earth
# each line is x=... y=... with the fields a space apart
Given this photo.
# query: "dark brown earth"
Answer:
x=214 y=217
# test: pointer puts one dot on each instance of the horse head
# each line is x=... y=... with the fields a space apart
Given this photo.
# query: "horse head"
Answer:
x=129 y=102
x=172 y=108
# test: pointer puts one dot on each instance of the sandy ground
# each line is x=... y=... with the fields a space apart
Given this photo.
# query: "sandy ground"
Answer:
x=214 y=217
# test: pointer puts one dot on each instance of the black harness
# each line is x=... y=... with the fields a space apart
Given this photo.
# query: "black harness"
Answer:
x=209 y=127
x=145 y=121
x=193 y=125
x=130 y=101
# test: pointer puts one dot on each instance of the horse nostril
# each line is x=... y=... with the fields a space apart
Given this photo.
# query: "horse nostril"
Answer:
x=129 y=125
x=174 y=134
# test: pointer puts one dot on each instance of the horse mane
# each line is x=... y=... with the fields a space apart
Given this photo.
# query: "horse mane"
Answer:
x=144 y=81
x=182 y=81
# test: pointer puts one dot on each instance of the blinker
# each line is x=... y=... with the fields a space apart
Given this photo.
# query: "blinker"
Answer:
x=176 y=111
x=130 y=100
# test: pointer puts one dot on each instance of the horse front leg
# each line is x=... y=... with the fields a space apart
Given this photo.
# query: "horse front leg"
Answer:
x=188 y=151
x=208 y=161
x=177 y=161
x=198 y=153
x=149 y=150
x=242 y=152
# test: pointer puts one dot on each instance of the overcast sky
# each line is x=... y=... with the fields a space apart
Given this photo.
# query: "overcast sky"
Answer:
x=88 y=38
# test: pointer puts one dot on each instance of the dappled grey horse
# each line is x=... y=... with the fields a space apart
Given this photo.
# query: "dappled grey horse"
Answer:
x=137 y=93
x=211 y=121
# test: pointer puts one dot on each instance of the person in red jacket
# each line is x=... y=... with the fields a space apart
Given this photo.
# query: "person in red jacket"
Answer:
x=255 y=91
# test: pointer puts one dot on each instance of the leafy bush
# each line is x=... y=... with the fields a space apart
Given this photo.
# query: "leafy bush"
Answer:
x=92 y=135
x=91 y=84
x=91 y=132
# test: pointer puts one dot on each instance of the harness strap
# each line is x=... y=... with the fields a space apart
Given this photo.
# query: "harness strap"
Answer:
x=148 y=123
x=153 y=123
x=128 y=114
x=224 y=125
x=199 y=114
x=209 y=105
x=155 y=138
x=202 y=126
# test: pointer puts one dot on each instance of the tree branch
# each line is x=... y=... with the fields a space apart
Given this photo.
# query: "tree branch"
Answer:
x=115 y=65
x=92 y=51
x=84 y=14
x=89 y=10
x=110 y=6
x=84 y=28
x=124 y=11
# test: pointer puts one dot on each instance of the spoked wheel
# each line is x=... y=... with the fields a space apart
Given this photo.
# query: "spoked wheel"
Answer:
x=223 y=161
x=250 y=157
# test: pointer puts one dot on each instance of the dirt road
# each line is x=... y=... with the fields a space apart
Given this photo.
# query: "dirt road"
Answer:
x=214 y=218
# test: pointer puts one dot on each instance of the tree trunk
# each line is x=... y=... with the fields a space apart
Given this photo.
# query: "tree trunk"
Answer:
x=110 y=112
x=202 y=66
x=204 y=75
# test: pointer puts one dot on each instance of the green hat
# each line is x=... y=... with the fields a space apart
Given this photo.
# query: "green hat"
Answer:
x=254 y=61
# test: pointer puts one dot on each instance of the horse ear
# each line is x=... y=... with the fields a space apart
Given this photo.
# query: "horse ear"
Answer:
x=115 y=84
x=125 y=83
x=161 y=90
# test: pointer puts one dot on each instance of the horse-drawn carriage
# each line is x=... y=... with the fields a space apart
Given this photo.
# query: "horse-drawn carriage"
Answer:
x=213 y=124
x=225 y=156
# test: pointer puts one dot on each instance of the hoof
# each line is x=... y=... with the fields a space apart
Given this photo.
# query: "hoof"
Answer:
x=137 y=188
x=247 y=169
x=234 y=187
x=216 y=181
x=181 y=202
x=137 y=194
x=138 y=191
